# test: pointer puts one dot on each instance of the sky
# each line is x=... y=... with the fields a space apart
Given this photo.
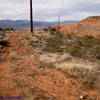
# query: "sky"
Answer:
x=49 y=10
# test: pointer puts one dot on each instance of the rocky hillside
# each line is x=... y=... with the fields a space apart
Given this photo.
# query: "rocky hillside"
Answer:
x=88 y=26
x=92 y=19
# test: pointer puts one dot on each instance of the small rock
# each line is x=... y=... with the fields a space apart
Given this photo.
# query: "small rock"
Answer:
x=65 y=57
x=32 y=56
x=84 y=96
x=81 y=97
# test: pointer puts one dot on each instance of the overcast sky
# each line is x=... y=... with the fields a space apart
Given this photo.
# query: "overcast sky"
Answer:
x=49 y=10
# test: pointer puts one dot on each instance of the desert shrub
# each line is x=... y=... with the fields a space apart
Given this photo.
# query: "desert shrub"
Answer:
x=53 y=45
x=86 y=46
x=83 y=47
x=45 y=29
x=8 y=29
x=59 y=34
x=70 y=35
x=28 y=38
x=76 y=51
x=91 y=46
x=87 y=41
x=88 y=37
x=53 y=29
x=75 y=48
x=32 y=43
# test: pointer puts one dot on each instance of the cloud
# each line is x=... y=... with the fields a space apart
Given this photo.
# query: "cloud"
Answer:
x=49 y=10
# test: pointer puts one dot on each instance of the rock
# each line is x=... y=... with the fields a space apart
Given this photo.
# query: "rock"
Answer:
x=64 y=57
x=84 y=96
x=54 y=57
x=81 y=97
x=32 y=56
x=49 y=58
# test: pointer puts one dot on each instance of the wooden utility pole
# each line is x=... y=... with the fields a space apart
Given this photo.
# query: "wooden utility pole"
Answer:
x=59 y=23
x=78 y=31
x=31 y=17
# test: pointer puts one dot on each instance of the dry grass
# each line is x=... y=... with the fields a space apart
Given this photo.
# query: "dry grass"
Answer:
x=75 y=69
x=53 y=58
x=84 y=73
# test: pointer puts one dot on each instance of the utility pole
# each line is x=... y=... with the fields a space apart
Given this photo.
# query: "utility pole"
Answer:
x=59 y=23
x=31 y=17
x=78 y=28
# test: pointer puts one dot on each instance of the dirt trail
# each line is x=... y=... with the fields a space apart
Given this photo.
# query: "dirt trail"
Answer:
x=21 y=76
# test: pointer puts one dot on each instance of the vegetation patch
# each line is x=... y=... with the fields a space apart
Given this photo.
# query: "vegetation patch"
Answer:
x=45 y=29
x=53 y=45
x=85 y=75
x=32 y=43
x=56 y=42
x=83 y=47
x=8 y=29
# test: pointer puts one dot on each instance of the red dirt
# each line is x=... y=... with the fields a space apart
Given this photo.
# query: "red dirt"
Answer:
x=21 y=76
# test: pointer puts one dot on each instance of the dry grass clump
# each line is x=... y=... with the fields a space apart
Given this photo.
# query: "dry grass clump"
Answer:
x=54 y=58
x=75 y=69
x=85 y=74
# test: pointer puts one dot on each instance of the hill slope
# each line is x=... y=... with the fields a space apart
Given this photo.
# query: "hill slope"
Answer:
x=90 y=25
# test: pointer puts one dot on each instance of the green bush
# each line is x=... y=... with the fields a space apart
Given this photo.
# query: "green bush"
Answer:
x=53 y=29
